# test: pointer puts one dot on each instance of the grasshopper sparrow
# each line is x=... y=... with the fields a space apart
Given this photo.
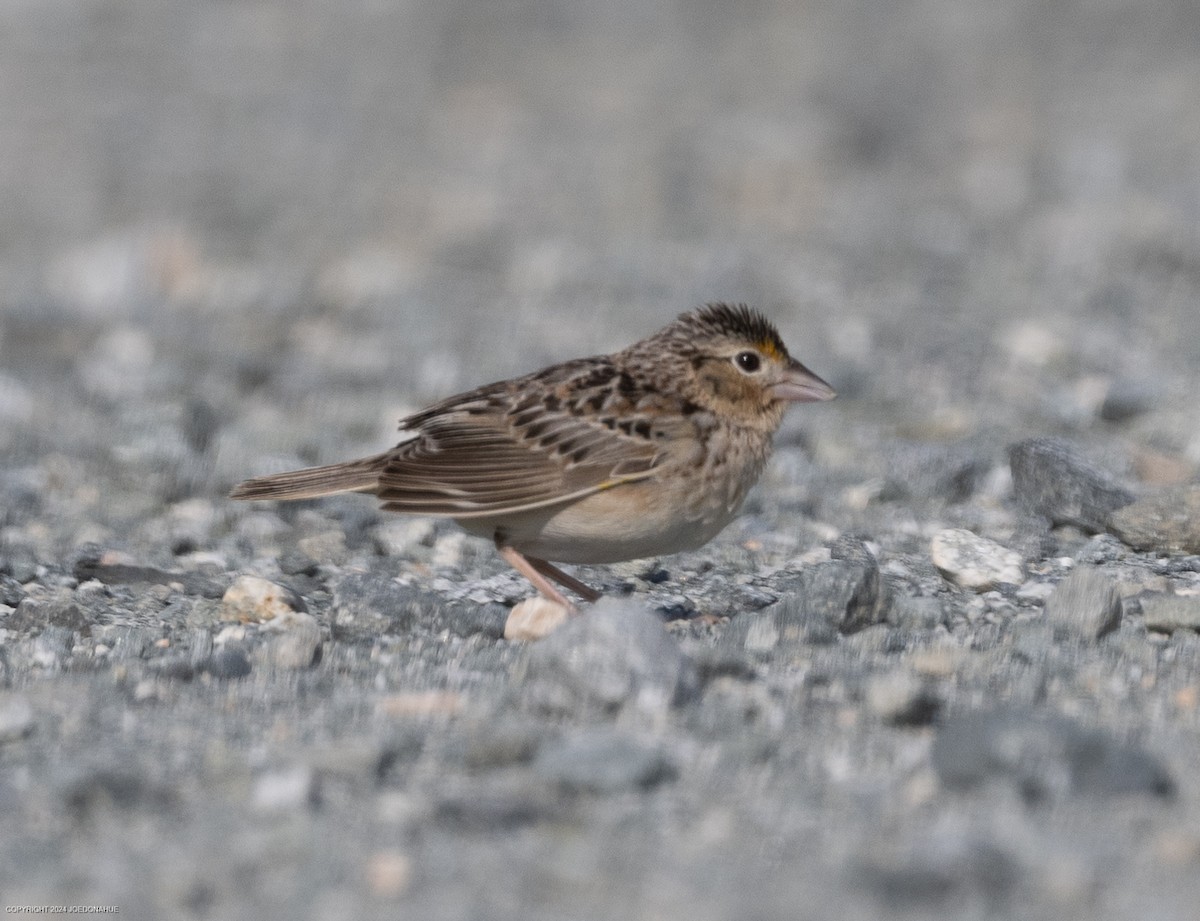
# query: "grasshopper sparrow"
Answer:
x=647 y=451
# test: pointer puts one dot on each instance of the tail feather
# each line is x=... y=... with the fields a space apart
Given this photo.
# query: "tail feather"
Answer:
x=313 y=482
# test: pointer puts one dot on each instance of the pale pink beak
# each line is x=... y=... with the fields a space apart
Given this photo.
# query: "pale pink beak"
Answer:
x=799 y=385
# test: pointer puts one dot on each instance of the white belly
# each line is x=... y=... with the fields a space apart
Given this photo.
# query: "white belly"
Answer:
x=627 y=522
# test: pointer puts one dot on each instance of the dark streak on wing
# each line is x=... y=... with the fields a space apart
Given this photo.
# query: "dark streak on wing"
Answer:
x=487 y=452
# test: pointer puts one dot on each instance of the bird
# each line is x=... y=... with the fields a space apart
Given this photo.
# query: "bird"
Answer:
x=643 y=452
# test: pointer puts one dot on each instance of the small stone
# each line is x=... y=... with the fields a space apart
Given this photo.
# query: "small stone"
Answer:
x=57 y=609
x=937 y=662
x=603 y=761
x=1052 y=479
x=493 y=744
x=286 y=790
x=901 y=699
x=614 y=658
x=1155 y=468
x=496 y=808
x=175 y=668
x=848 y=595
x=1166 y=522
x=975 y=562
x=421 y=704
x=1085 y=604
x=366 y=599
x=469 y=618
x=762 y=633
x=16 y=718
x=917 y=613
x=1045 y=758
x=52 y=648
x=298 y=644
x=1127 y=398
x=388 y=874
x=329 y=546
x=228 y=662
x=251 y=599
x=11 y=592
x=535 y=618
x=1166 y=613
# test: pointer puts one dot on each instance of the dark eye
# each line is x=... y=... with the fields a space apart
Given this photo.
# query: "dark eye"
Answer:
x=747 y=361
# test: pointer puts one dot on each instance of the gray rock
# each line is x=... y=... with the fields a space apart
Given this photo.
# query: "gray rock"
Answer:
x=1044 y=758
x=1165 y=613
x=297 y=647
x=229 y=662
x=173 y=668
x=974 y=562
x=21 y=563
x=11 y=592
x=614 y=657
x=287 y=790
x=89 y=565
x=901 y=698
x=52 y=647
x=94 y=789
x=915 y=613
x=844 y=594
x=937 y=869
x=16 y=718
x=1085 y=604
x=1128 y=397
x=497 y=807
x=1051 y=478
x=57 y=609
x=468 y=618
x=602 y=761
x=1167 y=522
x=369 y=599
x=495 y=744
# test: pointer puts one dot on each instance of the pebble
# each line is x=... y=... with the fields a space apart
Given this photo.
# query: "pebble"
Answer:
x=388 y=874
x=251 y=599
x=535 y=618
x=901 y=698
x=602 y=761
x=1052 y=479
x=16 y=718
x=1084 y=604
x=1044 y=758
x=1165 y=613
x=975 y=562
x=917 y=612
x=297 y=645
x=848 y=595
x=52 y=648
x=1127 y=398
x=616 y=658
x=1166 y=522
x=286 y=790
x=376 y=599
x=11 y=592
x=57 y=608
x=228 y=662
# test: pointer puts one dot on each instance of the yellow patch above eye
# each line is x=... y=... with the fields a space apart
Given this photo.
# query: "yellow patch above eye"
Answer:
x=770 y=349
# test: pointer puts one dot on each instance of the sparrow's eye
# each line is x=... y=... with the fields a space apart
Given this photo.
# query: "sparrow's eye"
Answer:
x=747 y=361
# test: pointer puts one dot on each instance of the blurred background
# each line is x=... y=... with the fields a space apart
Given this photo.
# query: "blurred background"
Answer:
x=275 y=226
x=238 y=236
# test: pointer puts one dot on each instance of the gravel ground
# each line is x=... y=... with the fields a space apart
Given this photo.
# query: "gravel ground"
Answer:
x=947 y=663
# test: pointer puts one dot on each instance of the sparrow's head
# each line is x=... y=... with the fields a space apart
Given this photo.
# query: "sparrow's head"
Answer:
x=736 y=364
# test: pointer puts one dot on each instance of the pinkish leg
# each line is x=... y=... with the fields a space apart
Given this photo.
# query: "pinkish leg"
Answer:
x=528 y=569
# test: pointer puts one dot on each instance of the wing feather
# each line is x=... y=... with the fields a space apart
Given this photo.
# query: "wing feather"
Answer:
x=483 y=463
